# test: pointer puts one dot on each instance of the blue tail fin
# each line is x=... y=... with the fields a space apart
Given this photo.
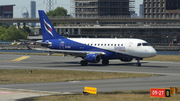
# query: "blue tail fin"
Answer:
x=47 y=29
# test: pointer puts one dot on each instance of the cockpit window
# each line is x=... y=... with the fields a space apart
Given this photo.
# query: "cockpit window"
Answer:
x=139 y=44
x=146 y=44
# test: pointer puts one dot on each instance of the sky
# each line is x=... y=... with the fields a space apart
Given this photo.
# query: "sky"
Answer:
x=40 y=5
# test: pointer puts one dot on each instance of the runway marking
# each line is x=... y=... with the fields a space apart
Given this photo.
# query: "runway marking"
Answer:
x=21 y=58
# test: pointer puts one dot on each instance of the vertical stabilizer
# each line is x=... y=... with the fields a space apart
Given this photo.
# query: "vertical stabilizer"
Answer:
x=48 y=31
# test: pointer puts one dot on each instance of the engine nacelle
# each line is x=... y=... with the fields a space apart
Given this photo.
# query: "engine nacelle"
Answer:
x=126 y=59
x=93 y=58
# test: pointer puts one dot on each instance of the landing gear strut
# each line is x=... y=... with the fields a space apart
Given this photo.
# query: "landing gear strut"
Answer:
x=84 y=63
x=105 y=62
x=138 y=63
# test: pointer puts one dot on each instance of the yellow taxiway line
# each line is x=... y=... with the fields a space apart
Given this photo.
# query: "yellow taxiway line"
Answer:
x=21 y=58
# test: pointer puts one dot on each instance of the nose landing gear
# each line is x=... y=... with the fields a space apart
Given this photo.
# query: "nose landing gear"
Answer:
x=138 y=64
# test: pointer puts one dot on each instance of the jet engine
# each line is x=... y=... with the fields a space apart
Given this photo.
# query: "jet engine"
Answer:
x=93 y=58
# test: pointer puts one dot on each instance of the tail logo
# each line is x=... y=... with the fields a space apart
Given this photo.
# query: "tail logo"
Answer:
x=48 y=27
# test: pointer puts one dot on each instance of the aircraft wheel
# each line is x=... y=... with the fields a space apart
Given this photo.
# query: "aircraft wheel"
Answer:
x=139 y=64
x=105 y=61
x=84 y=63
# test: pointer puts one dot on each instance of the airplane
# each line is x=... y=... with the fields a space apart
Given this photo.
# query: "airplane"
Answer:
x=93 y=50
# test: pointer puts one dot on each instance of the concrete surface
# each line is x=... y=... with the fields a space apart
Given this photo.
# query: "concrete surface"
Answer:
x=170 y=74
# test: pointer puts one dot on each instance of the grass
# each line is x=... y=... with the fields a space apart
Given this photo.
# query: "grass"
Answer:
x=8 y=76
x=164 y=58
x=108 y=96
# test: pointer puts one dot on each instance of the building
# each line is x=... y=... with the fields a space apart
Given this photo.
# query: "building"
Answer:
x=33 y=11
x=96 y=8
x=141 y=10
x=155 y=33
x=133 y=14
x=161 y=8
x=6 y=11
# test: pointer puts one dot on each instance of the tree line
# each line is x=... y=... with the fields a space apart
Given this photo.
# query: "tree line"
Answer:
x=58 y=12
x=11 y=33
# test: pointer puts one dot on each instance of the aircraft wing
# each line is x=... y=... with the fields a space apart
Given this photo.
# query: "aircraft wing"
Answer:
x=71 y=52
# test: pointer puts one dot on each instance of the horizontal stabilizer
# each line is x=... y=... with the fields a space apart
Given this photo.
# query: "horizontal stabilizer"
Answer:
x=39 y=42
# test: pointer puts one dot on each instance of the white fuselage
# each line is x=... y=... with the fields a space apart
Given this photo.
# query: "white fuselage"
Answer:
x=123 y=46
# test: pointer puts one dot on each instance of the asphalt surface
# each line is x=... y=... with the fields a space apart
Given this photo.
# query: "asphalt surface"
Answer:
x=170 y=74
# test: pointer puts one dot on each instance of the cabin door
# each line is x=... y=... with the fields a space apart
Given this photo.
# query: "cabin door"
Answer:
x=61 y=46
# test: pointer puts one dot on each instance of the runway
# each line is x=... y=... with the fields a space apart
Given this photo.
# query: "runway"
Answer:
x=170 y=74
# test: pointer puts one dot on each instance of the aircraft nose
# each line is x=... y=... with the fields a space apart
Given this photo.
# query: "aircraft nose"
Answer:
x=150 y=52
x=153 y=52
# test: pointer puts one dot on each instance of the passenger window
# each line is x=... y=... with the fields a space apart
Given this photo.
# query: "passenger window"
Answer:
x=139 y=44
x=78 y=44
x=121 y=44
x=94 y=44
x=101 y=44
x=114 y=44
x=118 y=44
x=104 y=44
x=75 y=44
x=91 y=44
x=108 y=44
x=66 y=44
x=111 y=44
x=71 y=44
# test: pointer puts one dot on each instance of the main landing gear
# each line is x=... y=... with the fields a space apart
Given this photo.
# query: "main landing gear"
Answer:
x=105 y=62
x=84 y=63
